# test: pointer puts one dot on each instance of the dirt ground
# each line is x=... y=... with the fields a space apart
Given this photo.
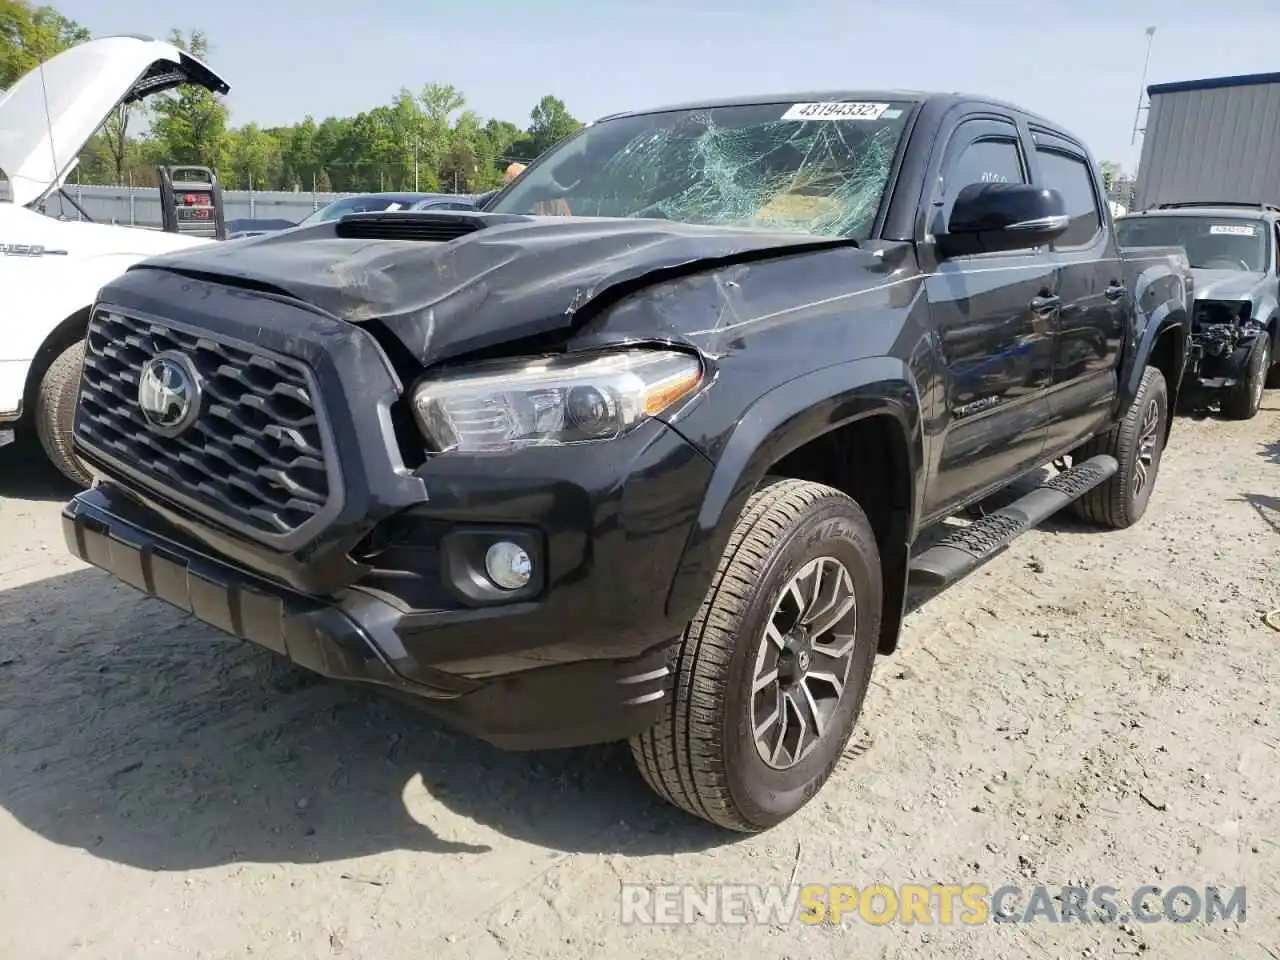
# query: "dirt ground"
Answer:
x=1092 y=708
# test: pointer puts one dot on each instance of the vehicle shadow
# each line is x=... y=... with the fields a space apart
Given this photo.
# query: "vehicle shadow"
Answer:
x=1201 y=405
x=1268 y=508
x=134 y=732
x=1271 y=451
x=26 y=474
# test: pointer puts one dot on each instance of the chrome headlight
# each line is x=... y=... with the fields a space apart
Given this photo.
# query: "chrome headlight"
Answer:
x=552 y=400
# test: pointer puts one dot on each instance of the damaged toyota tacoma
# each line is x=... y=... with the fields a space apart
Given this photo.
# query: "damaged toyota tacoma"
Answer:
x=643 y=449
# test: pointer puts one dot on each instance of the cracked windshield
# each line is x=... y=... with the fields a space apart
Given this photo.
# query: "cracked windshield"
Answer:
x=790 y=167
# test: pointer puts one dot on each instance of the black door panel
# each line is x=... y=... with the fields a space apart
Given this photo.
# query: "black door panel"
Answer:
x=1091 y=321
x=994 y=318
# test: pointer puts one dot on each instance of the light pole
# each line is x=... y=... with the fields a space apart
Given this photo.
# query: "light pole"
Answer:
x=1142 y=88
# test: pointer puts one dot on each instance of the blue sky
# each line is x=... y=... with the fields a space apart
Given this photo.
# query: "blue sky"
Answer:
x=1078 y=61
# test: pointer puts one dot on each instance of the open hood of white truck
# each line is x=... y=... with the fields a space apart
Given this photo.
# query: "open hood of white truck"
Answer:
x=48 y=116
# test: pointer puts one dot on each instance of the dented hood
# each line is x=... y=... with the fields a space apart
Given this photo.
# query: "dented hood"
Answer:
x=453 y=283
x=1227 y=284
x=49 y=114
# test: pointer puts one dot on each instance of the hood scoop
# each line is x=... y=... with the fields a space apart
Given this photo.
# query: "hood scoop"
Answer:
x=427 y=226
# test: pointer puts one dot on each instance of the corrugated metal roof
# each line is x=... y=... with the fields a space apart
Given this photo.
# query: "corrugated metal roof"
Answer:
x=1213 y=83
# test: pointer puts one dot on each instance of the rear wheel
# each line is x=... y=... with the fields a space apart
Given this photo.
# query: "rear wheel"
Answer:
x=1137 y=443
x=55 y=413
x=1242 y=401
x=772 y=672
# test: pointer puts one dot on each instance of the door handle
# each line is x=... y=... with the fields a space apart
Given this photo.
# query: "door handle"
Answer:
x=1045 y=304
x=1114 y=291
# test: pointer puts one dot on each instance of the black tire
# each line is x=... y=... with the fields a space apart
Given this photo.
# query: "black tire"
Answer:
x=1242 y=401
x=702 y=756
x=55 y=413
x=1137 y=442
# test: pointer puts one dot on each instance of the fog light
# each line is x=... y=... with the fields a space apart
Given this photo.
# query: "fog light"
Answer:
x=508 y=565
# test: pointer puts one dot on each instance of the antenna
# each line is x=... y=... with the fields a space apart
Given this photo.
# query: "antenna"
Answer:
x=1142 y=88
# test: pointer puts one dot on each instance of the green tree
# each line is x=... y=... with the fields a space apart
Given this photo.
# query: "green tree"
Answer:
x=299 y=167
x=551 y=123
x=30 y=35
x=115 y=138
x=255 y=158
x=1111 y=172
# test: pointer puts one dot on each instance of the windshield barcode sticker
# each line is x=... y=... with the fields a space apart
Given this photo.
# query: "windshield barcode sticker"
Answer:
x=1234 y=229
x=835 y=110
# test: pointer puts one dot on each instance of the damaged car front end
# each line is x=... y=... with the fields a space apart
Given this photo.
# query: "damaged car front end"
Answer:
x=1223 y=332
x=1234 y=327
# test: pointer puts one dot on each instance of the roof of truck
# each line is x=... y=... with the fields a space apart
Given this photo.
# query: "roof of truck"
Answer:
x=1213 y=83
x=936 y=97
x=827 y=96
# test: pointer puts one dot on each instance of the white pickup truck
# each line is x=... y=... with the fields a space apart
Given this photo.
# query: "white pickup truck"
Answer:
x=51 y=269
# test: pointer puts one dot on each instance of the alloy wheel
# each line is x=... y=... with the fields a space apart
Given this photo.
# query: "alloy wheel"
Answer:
x=1148 y=438
x=803 y=662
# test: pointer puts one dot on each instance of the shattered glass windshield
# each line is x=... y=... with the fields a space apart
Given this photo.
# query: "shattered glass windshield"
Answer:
x=818 y=168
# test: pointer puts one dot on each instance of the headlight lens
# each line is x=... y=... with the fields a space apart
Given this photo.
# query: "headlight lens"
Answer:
x=552 y=400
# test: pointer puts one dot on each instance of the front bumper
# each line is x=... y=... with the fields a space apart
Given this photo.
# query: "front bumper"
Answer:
x=13 y=382
x=383 y=585
x=360 y=638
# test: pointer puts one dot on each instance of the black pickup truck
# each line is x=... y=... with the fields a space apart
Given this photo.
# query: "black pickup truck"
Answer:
x=653 y=467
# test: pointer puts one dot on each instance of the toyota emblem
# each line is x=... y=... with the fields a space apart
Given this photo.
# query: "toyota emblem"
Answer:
x=169 y=393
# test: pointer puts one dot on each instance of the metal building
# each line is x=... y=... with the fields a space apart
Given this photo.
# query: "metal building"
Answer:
x=1216 y=139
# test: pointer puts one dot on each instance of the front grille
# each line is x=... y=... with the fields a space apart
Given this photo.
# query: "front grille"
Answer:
x=254 y=455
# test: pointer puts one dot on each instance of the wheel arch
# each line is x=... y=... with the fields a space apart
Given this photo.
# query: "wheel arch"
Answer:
x=1168 y=354
x=1162 y=343
x=821 y=427
x=68 y=331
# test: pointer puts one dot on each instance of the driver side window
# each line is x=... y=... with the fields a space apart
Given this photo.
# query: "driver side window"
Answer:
x=989 y=160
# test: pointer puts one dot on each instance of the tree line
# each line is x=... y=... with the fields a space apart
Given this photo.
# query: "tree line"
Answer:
x=427 y=140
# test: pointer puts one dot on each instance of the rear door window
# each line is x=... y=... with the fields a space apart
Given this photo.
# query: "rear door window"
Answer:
x=1070 y=176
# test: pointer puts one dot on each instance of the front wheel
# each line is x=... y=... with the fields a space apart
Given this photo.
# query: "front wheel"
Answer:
x=55 y=413
x=771 y=673
x=1243 y=401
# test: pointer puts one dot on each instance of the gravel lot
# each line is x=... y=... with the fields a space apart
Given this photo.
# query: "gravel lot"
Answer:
x=1095 y=708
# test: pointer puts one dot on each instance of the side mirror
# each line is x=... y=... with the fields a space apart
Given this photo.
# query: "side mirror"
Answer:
x=995 y=217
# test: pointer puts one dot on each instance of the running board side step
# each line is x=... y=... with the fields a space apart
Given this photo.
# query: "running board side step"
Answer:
x=966 y=549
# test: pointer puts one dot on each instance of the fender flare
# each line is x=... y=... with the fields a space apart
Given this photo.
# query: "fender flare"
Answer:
x=1167 y=316
x=1272 y=323
x=777 y=423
